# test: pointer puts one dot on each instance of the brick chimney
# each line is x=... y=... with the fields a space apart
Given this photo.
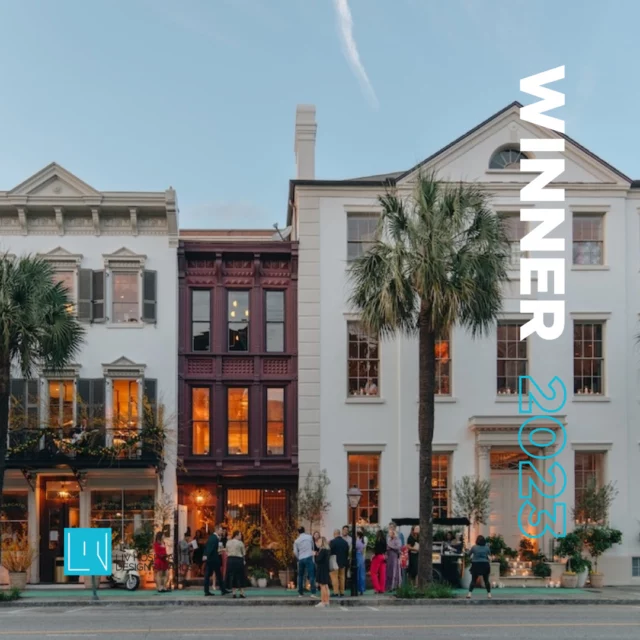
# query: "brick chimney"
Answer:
x=305 y=142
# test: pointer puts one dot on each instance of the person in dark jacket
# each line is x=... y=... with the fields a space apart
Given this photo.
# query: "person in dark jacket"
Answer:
x=480 y=564
x=322 y=570
x=212 y=564
x=340 y=549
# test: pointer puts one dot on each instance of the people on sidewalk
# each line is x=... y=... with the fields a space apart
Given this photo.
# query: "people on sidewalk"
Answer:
x=340 y=551
x=379 y=564
x=394 y=547
x=236 y=553
x=184 y=557
x=413 y=548
x=213 y=564
x=160 y=563
x=480 y=565
x=304 y=552
x=322 y=571
x=361 y=577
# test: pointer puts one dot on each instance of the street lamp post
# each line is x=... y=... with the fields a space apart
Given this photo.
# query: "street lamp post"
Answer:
x=353 y=495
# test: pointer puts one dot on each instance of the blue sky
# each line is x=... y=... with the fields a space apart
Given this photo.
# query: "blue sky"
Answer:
x=201 y=94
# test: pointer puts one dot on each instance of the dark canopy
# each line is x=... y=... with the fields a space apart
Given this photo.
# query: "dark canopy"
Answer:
x=446 y=522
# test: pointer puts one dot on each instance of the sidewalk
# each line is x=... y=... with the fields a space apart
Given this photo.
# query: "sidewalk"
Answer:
x=37 y=597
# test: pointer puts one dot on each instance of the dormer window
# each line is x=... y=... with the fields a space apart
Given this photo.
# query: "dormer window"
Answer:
x=507 y=159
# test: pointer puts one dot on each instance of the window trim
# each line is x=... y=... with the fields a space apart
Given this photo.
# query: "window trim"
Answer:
x=285 y=440
x=124 y=261
x=595 y=318
x=590 y=212
x=59 y=380
x=62 y=261
x=450 y=394
x=603 y=468
x=350 y=319
x=227 y=388
x=209 y=389
x=228 y=292
x=510 y=146
x=192 y=321
x=378 y=454
x=267 y=322
x=504 y=212
x=518 y=320
x=367 y=213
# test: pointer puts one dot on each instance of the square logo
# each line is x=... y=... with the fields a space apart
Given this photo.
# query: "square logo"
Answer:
x=87 y=552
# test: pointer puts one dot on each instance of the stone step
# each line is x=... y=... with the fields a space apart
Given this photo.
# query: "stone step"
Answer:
x=518 y=581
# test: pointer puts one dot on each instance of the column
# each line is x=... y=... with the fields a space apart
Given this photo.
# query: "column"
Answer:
x=483 y=453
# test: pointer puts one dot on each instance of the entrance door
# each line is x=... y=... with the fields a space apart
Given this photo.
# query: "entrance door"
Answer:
x=505 y=505
x=60 y=511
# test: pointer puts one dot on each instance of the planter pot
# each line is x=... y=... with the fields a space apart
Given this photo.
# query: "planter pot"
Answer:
x=495 y=572
x=18 y=580
x=569 y=581
x=254 y=582
x=465 y=580
x=582 y=578
x=597 y=580
x=262 y=583
x=285 y=577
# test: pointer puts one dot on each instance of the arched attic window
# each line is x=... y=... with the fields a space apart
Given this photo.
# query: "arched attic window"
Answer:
x=507 y=158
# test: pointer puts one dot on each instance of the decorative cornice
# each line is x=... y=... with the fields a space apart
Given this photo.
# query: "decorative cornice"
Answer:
x=123 y=368
x=59 y=220
x=133 y=213
x=71 y=371
x=124 y=259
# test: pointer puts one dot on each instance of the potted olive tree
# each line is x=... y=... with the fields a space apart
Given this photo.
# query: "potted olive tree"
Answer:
x=598 y=541
x=17 y=557
x=570 y=547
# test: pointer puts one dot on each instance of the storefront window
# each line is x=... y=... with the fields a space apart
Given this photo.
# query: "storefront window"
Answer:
x=14 y=515
x=256 y=506
x=125 y=512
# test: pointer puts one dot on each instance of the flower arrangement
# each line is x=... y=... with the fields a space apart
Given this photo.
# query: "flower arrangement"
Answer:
x=17 y=553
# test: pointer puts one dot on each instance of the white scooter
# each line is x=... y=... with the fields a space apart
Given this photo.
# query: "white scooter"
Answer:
x=124 y=567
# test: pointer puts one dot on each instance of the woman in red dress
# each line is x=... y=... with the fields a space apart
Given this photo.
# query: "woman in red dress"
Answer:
x=160 y=562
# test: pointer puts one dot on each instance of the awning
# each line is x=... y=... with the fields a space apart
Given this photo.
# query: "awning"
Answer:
x=446 y=522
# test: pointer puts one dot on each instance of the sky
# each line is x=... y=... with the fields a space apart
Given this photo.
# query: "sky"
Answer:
x=201 y=94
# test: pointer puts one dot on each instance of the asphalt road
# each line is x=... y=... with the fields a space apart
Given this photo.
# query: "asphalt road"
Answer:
x=412 y=622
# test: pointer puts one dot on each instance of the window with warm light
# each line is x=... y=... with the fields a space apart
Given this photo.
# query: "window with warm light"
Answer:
x=588 y=358
x=364 y=473
x=61 y=403
x=124 y=512
x=443 y=366
x=200 y=320
x=275 y=321
x=200 y=421
x=125 y=404
x=126 y=296
x=275 y=422
x=238 y=320
x=363 y=362
x=589 y=467
x=441 y=491
x=14 y=514
x=265 y=508
x=68 y=280
x=515 y=229
x=588 y=239
x=238 y=421
x=513 y=359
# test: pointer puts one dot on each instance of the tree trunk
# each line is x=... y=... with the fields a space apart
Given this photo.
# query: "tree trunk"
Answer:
x=426 y=420
x=5 y=393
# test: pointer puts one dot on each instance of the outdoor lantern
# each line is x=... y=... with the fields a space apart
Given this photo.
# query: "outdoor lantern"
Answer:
x=354 y=494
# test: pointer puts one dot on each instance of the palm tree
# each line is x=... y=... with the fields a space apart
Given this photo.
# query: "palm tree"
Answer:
x=439 y=259
x=36 y=329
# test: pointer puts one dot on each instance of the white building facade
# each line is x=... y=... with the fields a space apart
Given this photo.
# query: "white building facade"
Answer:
x=117 y=254
x=358 y=405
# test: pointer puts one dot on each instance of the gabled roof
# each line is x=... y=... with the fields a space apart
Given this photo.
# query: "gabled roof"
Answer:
x=47 y=175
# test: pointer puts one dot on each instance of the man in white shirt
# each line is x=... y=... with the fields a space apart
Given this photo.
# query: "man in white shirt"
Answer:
x=304 y=551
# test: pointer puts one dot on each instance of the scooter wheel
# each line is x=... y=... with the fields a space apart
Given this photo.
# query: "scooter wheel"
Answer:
x=132 y=583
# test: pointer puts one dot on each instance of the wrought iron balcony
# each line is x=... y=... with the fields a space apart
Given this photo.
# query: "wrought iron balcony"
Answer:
x=100 y=447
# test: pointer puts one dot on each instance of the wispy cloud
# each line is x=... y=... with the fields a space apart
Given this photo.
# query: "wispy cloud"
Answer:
x=350 y=49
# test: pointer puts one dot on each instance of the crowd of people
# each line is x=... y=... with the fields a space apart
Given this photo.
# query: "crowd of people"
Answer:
x=320 y=562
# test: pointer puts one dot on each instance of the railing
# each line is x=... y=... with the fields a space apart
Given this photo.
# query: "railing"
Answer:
x=99 y=445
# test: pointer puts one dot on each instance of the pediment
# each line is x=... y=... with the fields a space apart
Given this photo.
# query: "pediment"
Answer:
x=122 y=362
x=123 y=368
x=467 y=158
x=56 y=182
x=58 y=252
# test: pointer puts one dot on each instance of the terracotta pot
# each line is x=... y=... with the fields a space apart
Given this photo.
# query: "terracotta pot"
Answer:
x=597 y=580
x=569 y=581
x=18 y=580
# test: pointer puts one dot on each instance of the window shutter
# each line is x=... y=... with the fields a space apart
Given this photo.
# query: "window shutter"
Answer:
x=33 y=404
x=97 y=404
x=150 y=393
x=149 y=296
x=85 y=294
x=98 y=298
x=18 y=389
x=83 y=399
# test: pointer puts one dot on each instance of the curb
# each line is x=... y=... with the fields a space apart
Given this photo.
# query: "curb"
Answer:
x=272 y=602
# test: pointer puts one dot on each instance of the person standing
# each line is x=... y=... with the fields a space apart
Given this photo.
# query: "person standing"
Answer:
x=304 y=551
x=340 y=549
x=361 y=546
x=224 y=536
x=212 y=565
x=394 y=546
x=160 y=562
x=413 y=547
x=316 y=542
x=235 y=564
x=322 y=571
x=379 y=564
x=480 y=565
x=184 y=551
